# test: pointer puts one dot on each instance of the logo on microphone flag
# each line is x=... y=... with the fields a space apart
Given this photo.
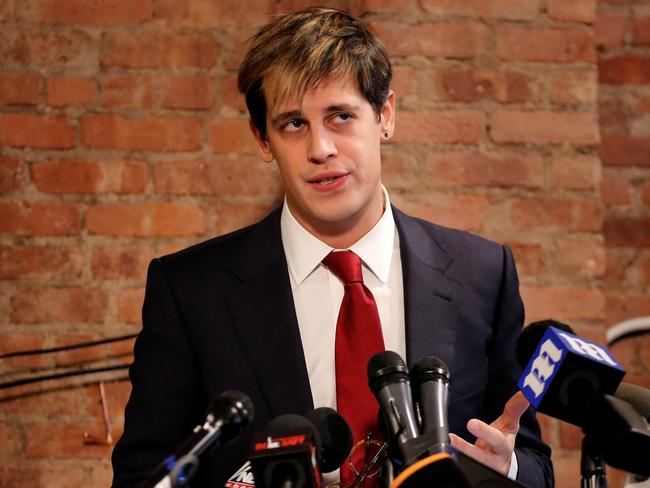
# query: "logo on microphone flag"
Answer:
x=243 y=478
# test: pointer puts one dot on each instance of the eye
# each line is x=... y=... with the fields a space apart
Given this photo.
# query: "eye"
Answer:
x=292 y=126
x=342 y=117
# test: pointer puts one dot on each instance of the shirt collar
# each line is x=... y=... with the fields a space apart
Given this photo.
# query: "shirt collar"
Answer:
x=305 y=252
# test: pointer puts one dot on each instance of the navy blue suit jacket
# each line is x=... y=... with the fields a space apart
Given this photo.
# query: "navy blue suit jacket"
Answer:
x=220 y=316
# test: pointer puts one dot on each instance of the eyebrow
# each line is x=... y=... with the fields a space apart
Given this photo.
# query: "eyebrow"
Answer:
x=291 y=114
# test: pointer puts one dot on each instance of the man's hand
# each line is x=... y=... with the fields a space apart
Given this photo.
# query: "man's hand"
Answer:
x=495 y=442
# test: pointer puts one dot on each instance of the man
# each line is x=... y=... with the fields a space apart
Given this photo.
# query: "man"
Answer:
x=264 y=310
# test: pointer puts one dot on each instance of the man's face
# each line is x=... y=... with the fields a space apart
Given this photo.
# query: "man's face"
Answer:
x=327 y=149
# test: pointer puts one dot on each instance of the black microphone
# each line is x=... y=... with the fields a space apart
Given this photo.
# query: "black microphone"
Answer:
x=227 y=417
x=635 y=395
x=389 y=381
x=335 y=436
x=287 y=453
x=430 y=377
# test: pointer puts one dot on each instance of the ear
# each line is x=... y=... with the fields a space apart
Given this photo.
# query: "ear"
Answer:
x=263 y=146
x=387 y=114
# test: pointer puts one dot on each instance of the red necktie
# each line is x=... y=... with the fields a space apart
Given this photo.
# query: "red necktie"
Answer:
x=358 y=338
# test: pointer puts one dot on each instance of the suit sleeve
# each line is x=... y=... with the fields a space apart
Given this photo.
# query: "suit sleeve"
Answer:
x=162 y=408
x=533 y=455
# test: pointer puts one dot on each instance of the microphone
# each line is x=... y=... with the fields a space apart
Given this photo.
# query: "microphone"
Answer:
x=635 y=395
x=335 y=436
x=574 y=380
x=430 y=377
x=566 y=373
x=228 y=416
x=389 y=381
x=293 y=451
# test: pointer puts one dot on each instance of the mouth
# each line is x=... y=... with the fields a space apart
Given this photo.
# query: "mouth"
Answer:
x=328 y=181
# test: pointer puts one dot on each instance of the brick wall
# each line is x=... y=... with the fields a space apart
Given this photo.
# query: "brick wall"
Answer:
x=122 y=138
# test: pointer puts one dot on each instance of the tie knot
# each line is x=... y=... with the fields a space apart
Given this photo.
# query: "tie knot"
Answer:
x=346 y=265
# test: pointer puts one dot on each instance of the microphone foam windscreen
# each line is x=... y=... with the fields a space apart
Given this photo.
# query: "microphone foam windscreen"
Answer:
x=531 y=335
x=335 y=434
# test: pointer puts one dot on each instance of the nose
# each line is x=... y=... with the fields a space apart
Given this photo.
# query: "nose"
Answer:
x=321 y=145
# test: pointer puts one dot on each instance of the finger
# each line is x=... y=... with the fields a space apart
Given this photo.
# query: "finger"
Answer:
x=512 y=412
x=488 y=436
x=468 y=449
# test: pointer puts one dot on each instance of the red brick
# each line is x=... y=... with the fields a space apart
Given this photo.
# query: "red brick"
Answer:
x=102 y=12
x=476 y=169
x=404 y=81
x=127 y=91
x=528 y=258
x=234 y=216
x=232 y=136
x=230 y=96
x=113 y=261
x=610 y=28
x=63 y=305
x=615 y=190
x=439 y=7
x=70 y=90
x=544 y=127
x=117 y=394
x=73 y=176
x=624 y=69
x=77 y=356
x=122 y=350
x=626 y=305
x=570 y=436
x=612 y=114
x=644 y=265
x=19 y=88
x=220 y=177
x=400 y=171
x=145 y=219
x=23 y=261
x=47 y=48
x=147 y=133
x=563 y=303
x=624 y=150
x=12 y=175
x=37 y=476
x=645 y=194
x=556 y=214
x=154 y=49
x=188 y=92
x=6 y=13
x=38 y=131
x=624 y=231
x=454 y=39
x=465 y=212
x=444 y=126
x=525 y=43
x=641 y=30
x=63 y=440
x=507 y=9
x=223 y=14
x=618 y=261
x=574 y=87
x=576 y=172
x=39 y=219
x=129 y=306
x=470 y=85
x=573 y=11
x=503 y=9
x=645 y=352
x=580 y=259
x=21 y=341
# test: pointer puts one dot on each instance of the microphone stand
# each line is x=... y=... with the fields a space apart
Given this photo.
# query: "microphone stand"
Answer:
x=592 y=466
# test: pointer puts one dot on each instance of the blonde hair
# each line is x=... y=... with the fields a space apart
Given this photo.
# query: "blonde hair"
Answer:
x=298 y=50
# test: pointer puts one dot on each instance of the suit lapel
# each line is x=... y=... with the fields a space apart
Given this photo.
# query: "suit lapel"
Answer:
x=430 y=295
x=264 y=313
